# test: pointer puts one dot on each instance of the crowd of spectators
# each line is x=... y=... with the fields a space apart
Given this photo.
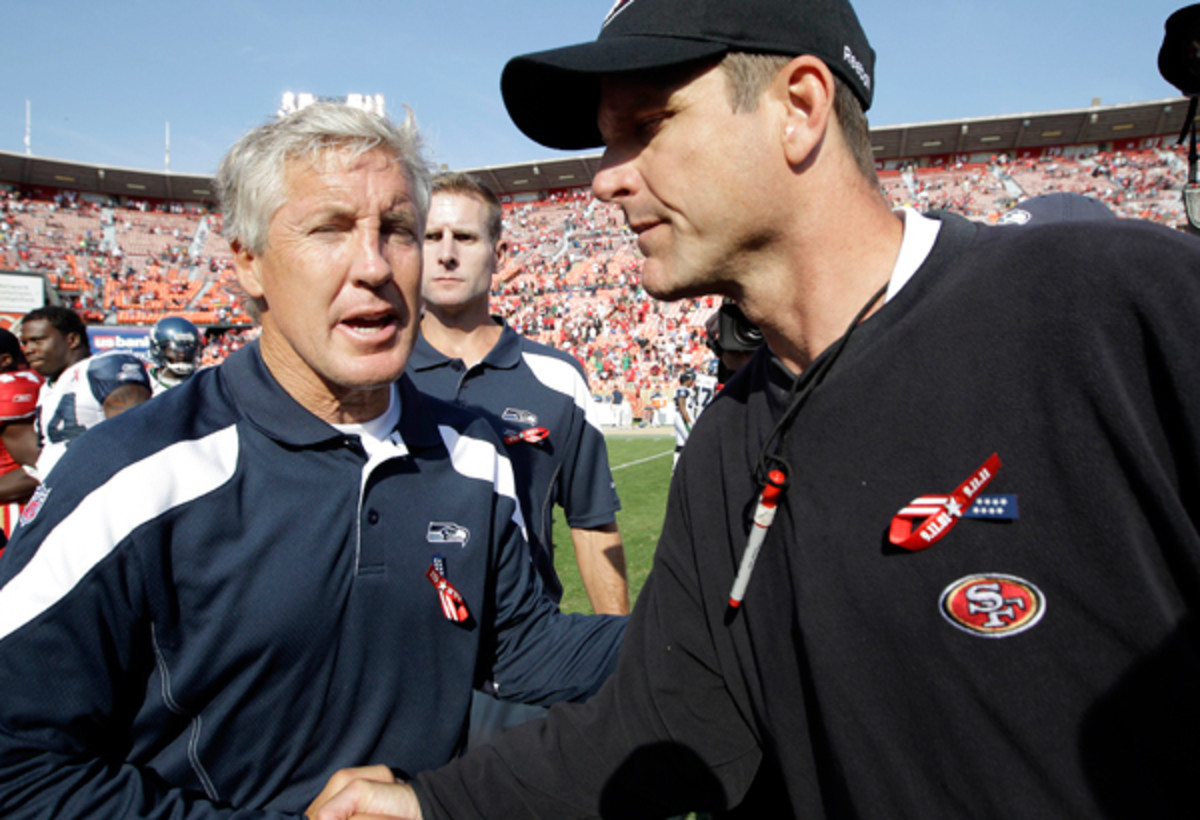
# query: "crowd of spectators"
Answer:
x=1140 y=184
x=569 y=279
x=129 y=264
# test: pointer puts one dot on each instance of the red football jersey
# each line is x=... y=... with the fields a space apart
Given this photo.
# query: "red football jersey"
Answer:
x=18 y=402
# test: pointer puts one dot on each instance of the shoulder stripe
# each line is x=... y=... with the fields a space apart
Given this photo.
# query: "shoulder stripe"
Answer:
x=479 y=459
x=106 y=516
x=561 y=376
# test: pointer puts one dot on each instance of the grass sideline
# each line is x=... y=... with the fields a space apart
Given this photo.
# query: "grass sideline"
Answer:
x=641 y=467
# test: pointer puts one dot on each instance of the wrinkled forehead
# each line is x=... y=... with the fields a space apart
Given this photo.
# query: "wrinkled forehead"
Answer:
x=345 y=181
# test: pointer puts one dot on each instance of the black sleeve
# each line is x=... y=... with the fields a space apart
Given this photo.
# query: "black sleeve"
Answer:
x=663 y=736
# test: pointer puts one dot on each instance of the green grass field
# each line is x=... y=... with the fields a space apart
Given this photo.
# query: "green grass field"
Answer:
x=641 y=466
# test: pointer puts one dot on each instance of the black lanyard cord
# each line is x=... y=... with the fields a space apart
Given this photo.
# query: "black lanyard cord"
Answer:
x=772 y=473
x=797 y=395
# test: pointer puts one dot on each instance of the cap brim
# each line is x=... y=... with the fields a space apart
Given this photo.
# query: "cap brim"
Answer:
x=552 y=96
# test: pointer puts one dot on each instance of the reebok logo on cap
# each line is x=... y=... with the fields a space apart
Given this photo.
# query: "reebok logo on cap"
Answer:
x=856 y=66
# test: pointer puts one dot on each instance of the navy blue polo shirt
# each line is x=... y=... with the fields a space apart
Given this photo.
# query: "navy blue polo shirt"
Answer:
x=524 y=388
x=229 y=601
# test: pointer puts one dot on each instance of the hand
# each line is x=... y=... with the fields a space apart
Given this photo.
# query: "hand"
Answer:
x=365 y=793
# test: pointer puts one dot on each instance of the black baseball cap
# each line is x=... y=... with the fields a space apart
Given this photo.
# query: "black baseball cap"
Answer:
x=1177 y=59
x=553 y=96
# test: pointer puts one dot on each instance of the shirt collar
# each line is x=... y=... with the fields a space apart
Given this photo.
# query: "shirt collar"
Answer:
x=273 y=410
x=920 y=235
x=504 y=355
x=418 y=427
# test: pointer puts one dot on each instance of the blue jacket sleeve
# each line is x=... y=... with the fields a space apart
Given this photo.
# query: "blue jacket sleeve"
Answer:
x=587 y=492
x=539 y=654
x=75 y=662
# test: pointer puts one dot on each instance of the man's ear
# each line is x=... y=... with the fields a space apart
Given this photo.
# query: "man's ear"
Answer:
x=806 y=87
x=500 y=251
x=246 y=266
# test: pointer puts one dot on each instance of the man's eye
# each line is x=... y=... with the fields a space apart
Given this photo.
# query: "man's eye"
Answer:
x=647 y=128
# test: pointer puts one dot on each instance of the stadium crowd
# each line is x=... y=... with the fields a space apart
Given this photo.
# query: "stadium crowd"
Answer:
x=569 y=278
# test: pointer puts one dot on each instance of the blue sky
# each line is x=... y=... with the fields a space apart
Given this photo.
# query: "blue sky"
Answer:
x=103 y=78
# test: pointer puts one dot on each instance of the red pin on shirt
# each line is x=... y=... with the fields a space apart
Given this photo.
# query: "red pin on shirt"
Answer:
x=944 y=516
x=453 y=605
x=534 y=435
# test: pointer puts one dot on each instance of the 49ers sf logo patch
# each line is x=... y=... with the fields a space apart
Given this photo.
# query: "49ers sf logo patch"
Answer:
x=993 y=605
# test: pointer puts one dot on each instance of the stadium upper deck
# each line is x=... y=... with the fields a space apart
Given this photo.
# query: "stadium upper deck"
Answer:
x=1100 y=128
x=126 y=247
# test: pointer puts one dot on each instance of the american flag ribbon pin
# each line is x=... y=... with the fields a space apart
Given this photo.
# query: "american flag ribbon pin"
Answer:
x=928 y=518
x=532 y=435
x=454 y=608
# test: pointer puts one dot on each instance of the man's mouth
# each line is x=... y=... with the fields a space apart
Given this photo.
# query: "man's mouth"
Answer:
x=642 y=229
x=642 y=226
x=369 y=324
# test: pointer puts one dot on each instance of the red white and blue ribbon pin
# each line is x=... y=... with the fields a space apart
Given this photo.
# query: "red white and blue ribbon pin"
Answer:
x=533 y=435
x=453 y=605
x=764 y=514
x=938 y=514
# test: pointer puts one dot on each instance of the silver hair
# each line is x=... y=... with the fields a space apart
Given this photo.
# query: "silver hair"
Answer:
x=251 y=177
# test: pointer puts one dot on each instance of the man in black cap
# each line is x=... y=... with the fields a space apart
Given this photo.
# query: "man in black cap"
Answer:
x=935 y=551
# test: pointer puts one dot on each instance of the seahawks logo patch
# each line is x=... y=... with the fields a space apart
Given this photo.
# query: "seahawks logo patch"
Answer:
x=1017 y=216
x=447 y=532
x=519 y=416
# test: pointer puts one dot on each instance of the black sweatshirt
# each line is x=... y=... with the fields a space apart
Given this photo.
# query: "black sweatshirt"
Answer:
x=1037 y=666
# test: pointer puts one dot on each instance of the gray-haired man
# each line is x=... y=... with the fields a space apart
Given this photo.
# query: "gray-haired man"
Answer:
x=290 y=563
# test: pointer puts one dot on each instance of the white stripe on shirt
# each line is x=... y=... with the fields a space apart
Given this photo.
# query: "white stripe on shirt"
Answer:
x=138 y=493
x=479 y=459
x=559 y=376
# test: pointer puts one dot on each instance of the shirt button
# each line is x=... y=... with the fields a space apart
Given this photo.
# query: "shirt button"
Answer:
x=372 y=517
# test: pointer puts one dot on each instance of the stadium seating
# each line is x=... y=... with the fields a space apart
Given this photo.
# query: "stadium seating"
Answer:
x=570 y=275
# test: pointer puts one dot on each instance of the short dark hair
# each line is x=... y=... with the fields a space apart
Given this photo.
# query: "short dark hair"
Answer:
x=62 y=319
x=11 y=345
x=748 y=75
x=456 y=182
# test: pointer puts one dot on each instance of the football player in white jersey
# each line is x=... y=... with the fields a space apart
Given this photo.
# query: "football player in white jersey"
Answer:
x=706 y=388
x=81 y=390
